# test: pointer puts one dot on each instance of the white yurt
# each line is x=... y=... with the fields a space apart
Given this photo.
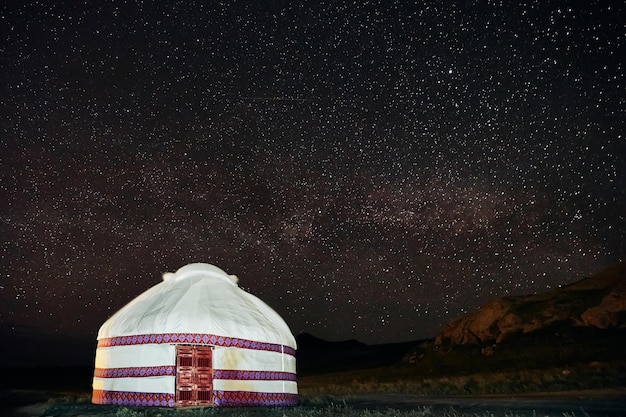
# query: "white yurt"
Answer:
x=196 y=338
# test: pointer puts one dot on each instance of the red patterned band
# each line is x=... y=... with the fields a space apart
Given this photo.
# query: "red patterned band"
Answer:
x=220 y=398
x=253 y=375
x=135 y=372
x=252 y=399
x=148 y=371
x=194 y=338
x=133 y=398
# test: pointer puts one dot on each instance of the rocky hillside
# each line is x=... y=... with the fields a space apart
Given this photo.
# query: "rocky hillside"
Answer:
x=598 y=301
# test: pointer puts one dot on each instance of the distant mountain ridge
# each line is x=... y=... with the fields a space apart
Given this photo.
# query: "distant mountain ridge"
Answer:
x=598 y=301
x=315 y=355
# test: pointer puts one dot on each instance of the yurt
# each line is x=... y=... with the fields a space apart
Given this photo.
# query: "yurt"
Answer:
x=195 y=338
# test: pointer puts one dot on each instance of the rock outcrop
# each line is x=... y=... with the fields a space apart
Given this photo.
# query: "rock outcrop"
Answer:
x=598 y=301
x=611 y=312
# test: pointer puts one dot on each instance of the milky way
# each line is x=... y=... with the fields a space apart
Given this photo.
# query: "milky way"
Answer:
x=369 y=169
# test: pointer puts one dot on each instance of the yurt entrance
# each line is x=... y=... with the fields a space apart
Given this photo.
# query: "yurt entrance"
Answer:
x=194 y=375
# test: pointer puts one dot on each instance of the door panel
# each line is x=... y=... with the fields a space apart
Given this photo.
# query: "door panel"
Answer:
x=194 y=375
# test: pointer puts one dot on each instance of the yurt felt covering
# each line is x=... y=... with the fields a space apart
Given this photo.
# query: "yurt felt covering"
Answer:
x=244 y=350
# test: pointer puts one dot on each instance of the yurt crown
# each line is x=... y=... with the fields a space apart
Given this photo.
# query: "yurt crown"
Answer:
x=200 y=269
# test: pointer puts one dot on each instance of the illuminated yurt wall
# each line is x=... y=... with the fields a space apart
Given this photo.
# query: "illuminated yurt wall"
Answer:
x=196 y=338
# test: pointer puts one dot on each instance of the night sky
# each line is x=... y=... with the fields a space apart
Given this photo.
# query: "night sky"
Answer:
x=370 y=169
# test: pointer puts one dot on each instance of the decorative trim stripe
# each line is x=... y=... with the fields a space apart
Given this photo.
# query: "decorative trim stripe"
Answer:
x=135 y=372
x=148 y=371
x=194 y=338
x=133 y=398
x=220 y=398
x=253 y=375
x=251 y=399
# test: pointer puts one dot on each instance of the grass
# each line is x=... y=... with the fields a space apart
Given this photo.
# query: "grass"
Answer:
x=308 y=409
x=403 y=381
x=329 y=410
x=553 y=346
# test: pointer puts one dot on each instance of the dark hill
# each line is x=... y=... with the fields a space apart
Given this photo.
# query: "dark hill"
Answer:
x=315 y=355
x=597 y=302
x=578 y=324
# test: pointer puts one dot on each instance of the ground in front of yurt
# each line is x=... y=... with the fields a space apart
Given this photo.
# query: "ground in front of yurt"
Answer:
x=22 y=403
x=78 y=405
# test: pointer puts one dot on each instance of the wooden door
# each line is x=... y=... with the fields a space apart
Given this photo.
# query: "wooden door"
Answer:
x=194 y=375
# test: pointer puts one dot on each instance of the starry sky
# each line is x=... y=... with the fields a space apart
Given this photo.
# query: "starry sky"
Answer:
x=370 y=169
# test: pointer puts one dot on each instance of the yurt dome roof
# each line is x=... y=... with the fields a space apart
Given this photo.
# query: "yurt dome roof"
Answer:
x=199 y=298
x=198 y=269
